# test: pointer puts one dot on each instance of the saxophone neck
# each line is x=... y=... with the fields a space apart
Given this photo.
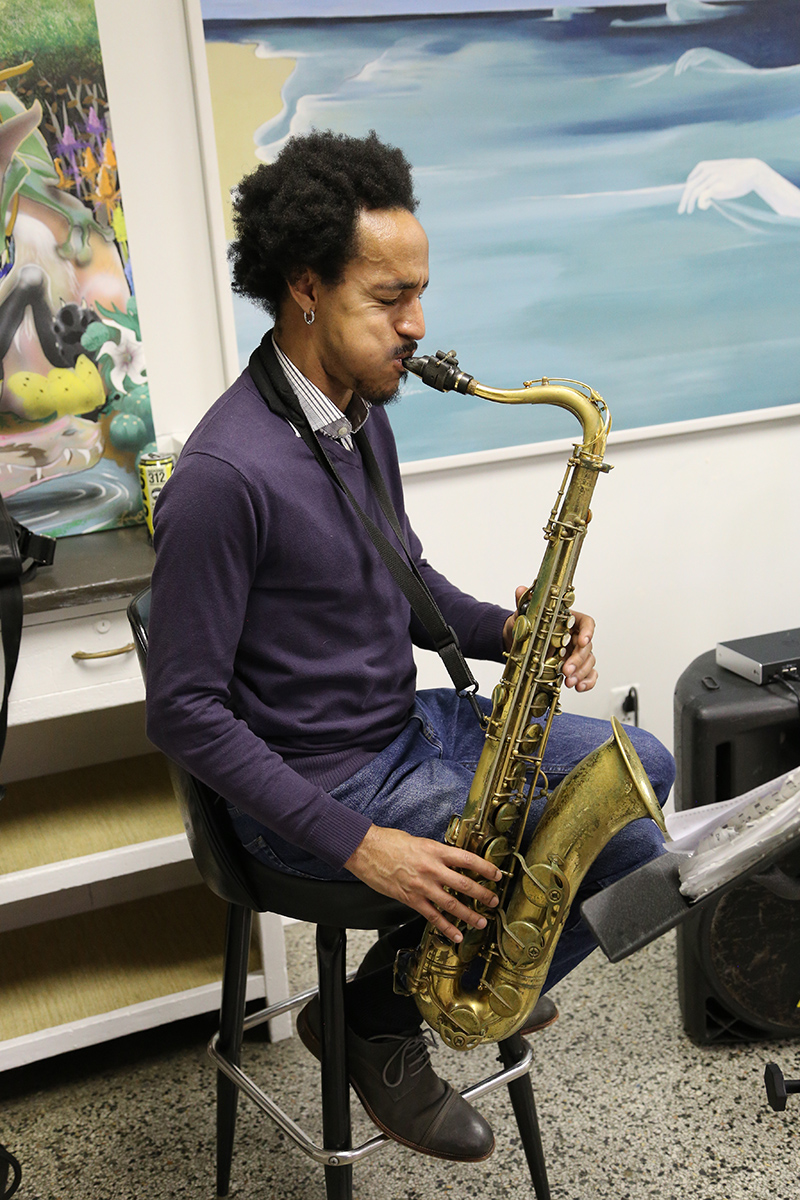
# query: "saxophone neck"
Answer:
x=442 y=372
x=577 y=398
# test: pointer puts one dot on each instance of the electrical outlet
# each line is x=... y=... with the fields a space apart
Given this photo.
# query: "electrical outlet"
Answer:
x=624 y=703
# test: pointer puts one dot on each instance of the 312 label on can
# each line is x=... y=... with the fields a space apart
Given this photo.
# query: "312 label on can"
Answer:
x=154 y=471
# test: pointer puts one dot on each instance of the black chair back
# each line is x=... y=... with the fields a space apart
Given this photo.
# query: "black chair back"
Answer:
x=215 y=848
x=233 y=873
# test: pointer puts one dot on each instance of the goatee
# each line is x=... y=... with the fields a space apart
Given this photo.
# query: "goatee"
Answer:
x=381 y=399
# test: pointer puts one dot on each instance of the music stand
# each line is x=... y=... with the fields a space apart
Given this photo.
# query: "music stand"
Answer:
x=642 y=906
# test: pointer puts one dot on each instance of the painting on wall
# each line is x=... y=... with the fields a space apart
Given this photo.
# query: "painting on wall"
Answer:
x=610 y=191
x=75 y=405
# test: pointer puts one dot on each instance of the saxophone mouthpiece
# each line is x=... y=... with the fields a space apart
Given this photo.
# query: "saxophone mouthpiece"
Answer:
x=415 y=365
x=441 y=372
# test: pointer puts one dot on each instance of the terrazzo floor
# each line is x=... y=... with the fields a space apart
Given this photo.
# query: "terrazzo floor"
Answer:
x=629 y=1109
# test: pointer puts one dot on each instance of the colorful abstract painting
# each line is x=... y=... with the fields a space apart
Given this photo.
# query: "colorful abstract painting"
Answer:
x=75 y=406
x=610 y=191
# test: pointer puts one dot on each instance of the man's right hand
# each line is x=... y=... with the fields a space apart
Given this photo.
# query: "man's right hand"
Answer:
x=417 y=871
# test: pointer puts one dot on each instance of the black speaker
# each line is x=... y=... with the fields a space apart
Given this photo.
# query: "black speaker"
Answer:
x=738 y=958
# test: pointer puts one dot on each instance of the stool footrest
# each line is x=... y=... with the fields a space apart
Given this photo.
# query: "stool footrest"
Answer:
x=334 y=1158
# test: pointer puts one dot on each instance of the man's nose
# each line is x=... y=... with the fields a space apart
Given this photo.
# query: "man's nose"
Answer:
x=412 y=321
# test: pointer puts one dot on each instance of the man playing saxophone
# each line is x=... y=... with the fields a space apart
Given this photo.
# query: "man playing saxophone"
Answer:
x=280 y=667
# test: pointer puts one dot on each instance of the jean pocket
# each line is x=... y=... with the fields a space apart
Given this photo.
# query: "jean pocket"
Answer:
x=255 y=846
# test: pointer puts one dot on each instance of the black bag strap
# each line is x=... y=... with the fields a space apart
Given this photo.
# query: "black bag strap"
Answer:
x=17 y=543
x=403 y=569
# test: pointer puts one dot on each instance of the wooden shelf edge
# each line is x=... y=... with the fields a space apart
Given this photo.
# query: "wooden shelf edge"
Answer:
x=89 y=897
x=116 y=863
x=78 y=700
x=32 y=1047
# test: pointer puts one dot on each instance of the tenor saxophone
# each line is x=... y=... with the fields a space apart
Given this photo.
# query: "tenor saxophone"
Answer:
x=483 y=988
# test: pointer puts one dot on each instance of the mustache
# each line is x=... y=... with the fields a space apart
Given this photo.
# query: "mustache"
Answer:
x=407 y=350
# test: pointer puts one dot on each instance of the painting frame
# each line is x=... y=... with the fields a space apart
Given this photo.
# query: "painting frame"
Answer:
x=423 y=463
x=76 y=413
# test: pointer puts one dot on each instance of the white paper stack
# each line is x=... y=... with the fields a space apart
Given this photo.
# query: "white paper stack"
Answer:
x=721 y=841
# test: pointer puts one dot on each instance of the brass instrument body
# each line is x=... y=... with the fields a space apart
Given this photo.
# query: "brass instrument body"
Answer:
x=603 y=793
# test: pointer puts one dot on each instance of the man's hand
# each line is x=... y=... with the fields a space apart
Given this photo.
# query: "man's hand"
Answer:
x=578 y=667
x=417 y=870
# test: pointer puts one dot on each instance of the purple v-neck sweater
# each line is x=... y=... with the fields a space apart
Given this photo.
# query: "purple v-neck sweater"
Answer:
x=280 y=657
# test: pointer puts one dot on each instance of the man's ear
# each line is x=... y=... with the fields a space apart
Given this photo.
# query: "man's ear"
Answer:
x=304 y=289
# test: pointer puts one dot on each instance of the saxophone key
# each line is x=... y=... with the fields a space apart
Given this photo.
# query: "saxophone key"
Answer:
x=504 y=1000
x=521 y=942
x=497 y=851
x=460 y=1029
x=471 y=945
x=505 y=818
x=530 y=739
x=453 y=830
x=544 y=886
x=522 y=629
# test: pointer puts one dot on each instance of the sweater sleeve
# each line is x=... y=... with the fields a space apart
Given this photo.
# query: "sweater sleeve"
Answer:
x=210 y=536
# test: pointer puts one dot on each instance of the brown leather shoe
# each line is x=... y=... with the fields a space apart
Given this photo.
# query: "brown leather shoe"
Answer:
x=543 y=1013
x=394 y=1080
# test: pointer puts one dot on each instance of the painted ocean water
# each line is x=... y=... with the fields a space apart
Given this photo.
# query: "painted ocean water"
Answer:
x=551 y=160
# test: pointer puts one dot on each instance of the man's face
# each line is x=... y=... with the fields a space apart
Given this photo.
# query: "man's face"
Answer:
x=372 y=319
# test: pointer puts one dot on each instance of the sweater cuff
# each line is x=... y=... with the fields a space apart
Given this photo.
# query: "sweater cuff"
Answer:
x=337 y=833
x=488 y=642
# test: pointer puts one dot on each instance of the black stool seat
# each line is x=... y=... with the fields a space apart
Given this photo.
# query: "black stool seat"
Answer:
x=240 y=878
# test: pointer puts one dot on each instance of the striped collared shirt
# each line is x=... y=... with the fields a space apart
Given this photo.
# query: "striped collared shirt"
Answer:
x=322 y=414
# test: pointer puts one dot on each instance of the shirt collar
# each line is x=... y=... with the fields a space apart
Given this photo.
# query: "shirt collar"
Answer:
x=321 y=413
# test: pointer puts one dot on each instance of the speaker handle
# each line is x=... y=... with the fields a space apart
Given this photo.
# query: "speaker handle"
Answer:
x=779 y=883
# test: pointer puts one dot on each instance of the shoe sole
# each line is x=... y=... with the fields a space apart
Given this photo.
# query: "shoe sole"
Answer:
x=529 y=1029
x=312 y=1044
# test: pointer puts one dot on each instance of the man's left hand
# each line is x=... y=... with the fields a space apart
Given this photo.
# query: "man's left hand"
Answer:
x=579 y=662
x=579 y=665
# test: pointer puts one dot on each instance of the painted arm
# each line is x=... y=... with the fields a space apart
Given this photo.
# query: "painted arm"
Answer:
x=729 y=178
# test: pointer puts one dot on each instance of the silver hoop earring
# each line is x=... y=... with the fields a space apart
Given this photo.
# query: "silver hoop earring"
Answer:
x=309 y=317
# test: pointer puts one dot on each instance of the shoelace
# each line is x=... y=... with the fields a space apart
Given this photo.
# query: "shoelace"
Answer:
x=412 y=1055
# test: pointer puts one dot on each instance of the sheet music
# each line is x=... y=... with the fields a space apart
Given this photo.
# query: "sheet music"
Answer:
x=722 y=840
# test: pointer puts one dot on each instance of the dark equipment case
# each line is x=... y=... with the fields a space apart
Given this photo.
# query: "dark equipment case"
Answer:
x=738 y=960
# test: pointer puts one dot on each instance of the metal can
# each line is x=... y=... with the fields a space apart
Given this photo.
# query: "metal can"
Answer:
x=154 y=471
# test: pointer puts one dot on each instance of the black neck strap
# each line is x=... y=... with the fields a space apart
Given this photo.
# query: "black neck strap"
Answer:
x=271 y=382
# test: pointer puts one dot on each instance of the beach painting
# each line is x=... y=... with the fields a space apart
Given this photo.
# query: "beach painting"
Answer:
x=74 y=400
x=611 y=193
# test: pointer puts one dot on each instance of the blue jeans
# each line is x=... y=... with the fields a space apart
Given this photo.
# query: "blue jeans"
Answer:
x=424 y=775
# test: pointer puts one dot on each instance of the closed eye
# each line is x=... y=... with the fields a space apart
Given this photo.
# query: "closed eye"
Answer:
x=403 y=291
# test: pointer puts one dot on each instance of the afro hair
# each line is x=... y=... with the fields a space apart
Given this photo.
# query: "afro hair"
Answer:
x=301 y=210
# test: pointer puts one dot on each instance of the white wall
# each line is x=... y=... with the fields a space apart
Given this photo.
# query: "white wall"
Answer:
x=694 y=537
x=149 y=80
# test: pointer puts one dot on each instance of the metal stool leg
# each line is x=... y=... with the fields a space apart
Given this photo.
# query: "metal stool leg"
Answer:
x=521 y=1093
x=231 y=1018
x=336 y=1134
